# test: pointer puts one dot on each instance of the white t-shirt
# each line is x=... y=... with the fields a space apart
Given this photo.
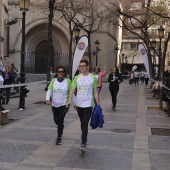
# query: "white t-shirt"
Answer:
x=136 y=74
x=85 y=90
x=59 y=91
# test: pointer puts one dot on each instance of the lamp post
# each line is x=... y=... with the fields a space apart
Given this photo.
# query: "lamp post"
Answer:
x=97 y=49
x=76 y=31
x=24 y=5
x=116 y=51
x=123 y=57
x=134 y=54
x=154 y=60
x=160 y=34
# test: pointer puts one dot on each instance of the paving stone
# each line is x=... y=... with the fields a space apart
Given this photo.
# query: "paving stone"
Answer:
x=159 y=142
x=160 y=161
x=28 y=134
x=14 y=153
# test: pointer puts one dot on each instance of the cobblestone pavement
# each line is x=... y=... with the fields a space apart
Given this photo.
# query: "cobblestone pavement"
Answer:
x=124 y=143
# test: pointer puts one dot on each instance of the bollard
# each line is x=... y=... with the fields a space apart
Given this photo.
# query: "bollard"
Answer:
x=4 y=117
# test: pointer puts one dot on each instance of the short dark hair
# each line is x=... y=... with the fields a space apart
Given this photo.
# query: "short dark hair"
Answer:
x=84 y=61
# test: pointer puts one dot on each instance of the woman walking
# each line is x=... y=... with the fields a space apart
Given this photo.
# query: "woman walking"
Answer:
x=98 y=74
x=59 y=89
x=114 y=80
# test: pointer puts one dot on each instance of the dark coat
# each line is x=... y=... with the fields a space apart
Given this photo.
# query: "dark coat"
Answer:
x=10 y=80
x=115 y=84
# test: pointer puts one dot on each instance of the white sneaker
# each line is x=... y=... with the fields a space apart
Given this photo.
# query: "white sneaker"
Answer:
x=82 y=150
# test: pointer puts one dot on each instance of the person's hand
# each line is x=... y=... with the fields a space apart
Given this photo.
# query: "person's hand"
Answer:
x=68 y=104
x=48 y=102
x=105 y=67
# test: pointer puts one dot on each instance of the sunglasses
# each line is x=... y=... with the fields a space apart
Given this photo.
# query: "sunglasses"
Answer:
x=60 y=71
x=96 y=69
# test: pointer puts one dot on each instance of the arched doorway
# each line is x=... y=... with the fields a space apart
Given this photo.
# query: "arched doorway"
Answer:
x=41 y=56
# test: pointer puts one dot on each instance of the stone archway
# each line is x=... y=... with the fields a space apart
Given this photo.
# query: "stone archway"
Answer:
x=41 y=56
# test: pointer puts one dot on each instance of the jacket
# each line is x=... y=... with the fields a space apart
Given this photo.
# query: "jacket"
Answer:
x=97 y=119
x=101 y=74
x=114 y=85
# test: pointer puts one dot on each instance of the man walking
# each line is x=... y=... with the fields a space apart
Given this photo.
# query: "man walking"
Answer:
x=86 y=85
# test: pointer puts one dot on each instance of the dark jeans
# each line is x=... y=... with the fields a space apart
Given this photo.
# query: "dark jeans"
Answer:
x=59 y=115
x=84 y=115
x=146 y=81
x=131 y=81
x=136 y=80
x=7 y=93
x=114 y=93
x=142 y=79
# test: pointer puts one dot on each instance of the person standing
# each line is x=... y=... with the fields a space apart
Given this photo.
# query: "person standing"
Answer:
x=114 y=79
x=131 y=77
x=8 y=79
x=142 y=76
x=86 y=84
x=136 y=73
x=59 y=89
x=146 y=78
x=98 y=74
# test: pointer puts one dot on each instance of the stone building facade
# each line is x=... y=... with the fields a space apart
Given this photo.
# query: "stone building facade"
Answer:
x=36 y=36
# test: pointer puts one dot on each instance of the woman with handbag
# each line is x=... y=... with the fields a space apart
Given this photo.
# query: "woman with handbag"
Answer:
x=114 y=79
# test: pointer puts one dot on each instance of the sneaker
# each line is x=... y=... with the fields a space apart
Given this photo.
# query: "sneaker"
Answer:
x=82 y=149
x=58 y=141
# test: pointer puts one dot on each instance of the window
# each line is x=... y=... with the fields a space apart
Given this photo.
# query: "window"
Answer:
x=136 y=6
x=133 y=46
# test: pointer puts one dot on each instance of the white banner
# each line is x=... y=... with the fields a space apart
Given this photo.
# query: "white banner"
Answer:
x=143 y=53
x=78 y=53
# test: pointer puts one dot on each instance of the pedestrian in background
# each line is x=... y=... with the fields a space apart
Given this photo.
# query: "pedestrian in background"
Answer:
x=59 y=89
x=146 y=78
x=131 y=77
x=114 y=79
x=86 y=84
x=136 y=77
x=99 y=74
x=8 y=79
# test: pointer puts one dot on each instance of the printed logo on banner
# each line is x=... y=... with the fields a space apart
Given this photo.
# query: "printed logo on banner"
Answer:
x=143 y=51
x=81 y=45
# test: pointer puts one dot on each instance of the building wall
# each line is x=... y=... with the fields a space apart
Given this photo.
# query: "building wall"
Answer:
x=37 y=30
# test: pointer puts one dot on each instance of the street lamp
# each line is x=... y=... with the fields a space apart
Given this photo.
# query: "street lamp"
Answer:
x=154 y=60
x=116 y=51
x=24 y=5
x=160 y=34
x=123 y=57
x=76 y=31
x=134 y=54
x=97 y=49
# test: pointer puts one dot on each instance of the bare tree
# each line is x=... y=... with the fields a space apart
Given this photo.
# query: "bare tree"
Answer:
x=91 y=18
x=142 y=18
x=69 y=10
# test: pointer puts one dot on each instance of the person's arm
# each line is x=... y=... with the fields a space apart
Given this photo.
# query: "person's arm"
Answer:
x=49 y=92
x=70 y=97
x=96 y=96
